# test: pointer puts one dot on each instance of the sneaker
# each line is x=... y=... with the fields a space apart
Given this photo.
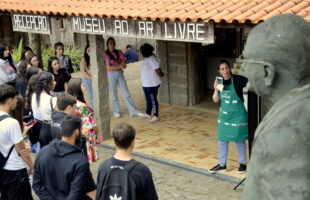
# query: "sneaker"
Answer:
x=146 y=116
x=241 y=169
x=117 y=115
x=154 y=119
x=217 y=168
x=138 y=114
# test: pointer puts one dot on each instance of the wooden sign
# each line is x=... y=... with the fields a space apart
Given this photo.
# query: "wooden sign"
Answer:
x=174 y=31
x=31 y=23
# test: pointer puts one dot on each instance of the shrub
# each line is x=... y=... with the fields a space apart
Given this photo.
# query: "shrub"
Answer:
x=75 y=54
x=17 y=53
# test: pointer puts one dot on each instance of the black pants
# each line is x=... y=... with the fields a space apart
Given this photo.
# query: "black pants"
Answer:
x=14 y=185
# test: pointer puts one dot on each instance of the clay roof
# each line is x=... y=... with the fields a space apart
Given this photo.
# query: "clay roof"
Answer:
x=240 y=11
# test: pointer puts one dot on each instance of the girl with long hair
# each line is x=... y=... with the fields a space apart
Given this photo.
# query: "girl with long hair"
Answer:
x=86 y=71
x=115 y=62
x=90 y=130
x=8 y=72
x=32 y=60
x=21 y=83
x=26 y=51
x=42 y=103
x=60 y=75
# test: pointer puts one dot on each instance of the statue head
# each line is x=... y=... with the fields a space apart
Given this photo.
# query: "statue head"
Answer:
x=277 y=57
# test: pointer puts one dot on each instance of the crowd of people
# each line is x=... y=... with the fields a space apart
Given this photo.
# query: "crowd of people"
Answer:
x=45 y=112
x=52 y=113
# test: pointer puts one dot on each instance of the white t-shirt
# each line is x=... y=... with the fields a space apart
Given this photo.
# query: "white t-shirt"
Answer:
x=43 y=112
x=149 y=77
x=11 y=133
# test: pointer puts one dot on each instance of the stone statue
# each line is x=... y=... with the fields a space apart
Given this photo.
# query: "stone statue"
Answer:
x=277 y=64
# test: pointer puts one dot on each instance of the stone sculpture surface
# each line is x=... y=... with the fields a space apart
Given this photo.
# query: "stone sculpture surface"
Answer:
x=277 y=63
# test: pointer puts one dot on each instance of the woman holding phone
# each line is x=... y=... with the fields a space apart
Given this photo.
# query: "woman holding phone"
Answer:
x=232 y=120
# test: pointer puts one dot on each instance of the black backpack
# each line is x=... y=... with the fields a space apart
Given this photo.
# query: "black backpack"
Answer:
x=117 y=183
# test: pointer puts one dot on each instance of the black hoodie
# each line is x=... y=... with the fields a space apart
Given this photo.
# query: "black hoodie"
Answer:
x=57 y=118
x=61 y=171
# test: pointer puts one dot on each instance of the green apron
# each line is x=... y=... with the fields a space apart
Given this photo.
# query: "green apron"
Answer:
x=233 y=118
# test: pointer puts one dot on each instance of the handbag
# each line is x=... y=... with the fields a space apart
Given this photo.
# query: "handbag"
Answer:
x=3 y=159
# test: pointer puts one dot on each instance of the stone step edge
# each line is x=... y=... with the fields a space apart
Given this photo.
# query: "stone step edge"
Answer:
x=181 y=165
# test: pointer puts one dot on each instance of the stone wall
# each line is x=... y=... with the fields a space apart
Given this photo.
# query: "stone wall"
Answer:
x=58 y=34
x=174 y=89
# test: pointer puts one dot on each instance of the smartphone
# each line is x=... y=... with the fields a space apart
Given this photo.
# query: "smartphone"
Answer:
x=219 y=80
x=31 y=122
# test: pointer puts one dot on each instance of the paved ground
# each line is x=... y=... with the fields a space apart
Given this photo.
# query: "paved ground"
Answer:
x=174 y=183
x=186 y=135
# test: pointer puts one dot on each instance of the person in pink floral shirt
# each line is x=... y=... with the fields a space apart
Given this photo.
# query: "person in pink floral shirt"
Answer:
x=90 y=130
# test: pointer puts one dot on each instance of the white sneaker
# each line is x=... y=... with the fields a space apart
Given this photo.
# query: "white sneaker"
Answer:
x=137 y=114
x=154 y=119
x=145 y=116
x=116 y=115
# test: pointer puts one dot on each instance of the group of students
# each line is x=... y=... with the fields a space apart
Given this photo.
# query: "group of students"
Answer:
x=62 y=126
x=61 y=169
x=59 y=65
x=150 y=74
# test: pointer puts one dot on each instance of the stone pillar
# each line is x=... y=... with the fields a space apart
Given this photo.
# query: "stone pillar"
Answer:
x=100 y=84
x=35 y=44
x=178 y=72
x=164 y=90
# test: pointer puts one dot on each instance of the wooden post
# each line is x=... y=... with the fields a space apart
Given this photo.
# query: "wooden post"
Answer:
x=35 y=44
x=100 y=84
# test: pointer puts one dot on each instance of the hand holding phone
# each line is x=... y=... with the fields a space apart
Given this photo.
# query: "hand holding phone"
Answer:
x=219 y=85
x=219 y=80
x=31 y=123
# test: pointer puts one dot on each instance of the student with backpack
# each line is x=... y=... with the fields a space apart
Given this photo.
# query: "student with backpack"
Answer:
x=122 y=177
x=14 y=182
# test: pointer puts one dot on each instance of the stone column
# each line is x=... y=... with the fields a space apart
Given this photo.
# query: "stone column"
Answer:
x=164 y=89
x=35 y=44
x=100 y=84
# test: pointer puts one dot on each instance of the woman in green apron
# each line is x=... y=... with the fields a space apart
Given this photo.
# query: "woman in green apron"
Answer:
x=232 y=119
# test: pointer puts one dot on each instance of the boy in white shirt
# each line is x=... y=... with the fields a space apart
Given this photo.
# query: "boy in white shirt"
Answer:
x=14 y=183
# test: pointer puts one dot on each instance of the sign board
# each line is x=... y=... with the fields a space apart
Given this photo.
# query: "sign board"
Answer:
x=31 y=23
x=174 y=31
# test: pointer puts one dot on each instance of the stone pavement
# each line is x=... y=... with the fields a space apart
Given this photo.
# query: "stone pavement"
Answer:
x=174 y=183
x=184 y=135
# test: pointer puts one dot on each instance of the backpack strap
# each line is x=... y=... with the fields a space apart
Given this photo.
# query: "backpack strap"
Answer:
x=51 y=103
x=130 y=165
x=7 y=157
x=2 y=117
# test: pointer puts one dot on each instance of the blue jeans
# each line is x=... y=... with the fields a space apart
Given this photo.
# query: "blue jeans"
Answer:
x=89 y=90
x=116 y=78
x=223 y=152
x=150 y=94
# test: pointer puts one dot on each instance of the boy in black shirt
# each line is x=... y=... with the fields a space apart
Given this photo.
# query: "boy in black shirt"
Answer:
x=124 y=138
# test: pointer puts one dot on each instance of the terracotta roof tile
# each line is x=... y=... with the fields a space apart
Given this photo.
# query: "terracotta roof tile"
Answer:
x=191 y=10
